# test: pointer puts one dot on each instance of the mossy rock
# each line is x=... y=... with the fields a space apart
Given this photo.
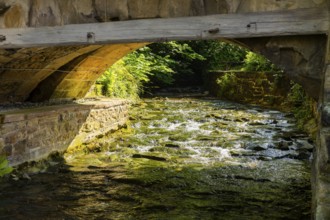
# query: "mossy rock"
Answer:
x=180 y=137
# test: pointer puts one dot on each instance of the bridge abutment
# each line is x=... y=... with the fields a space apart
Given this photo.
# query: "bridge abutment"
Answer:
x=33 y=133
x=321 y=163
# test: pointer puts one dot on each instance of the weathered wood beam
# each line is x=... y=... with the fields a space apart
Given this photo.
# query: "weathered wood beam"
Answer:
x=247 y=25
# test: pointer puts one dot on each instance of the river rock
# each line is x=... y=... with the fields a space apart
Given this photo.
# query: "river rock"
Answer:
x=264 y=158
x=149 y=157
x=284 y=145
x=256 y=147
x=257 y=123
x=303 y=156
x=305 y=145
x=170 y=145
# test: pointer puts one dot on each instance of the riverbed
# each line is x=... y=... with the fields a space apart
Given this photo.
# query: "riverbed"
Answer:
x=177 y=159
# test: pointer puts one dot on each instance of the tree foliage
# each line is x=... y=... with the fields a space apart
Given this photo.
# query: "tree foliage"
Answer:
x=256 y=62
x=302 y=105
x=175 y=64
x=220 y=55
x=4 y=166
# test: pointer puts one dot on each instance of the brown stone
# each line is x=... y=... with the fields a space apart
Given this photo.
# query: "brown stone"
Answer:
x=216 y=7
x=273 y=5
x=143 y=8
x=15 y=17
x=6 y=150
x=20 y=147
x=174 y=8
x=45 y=13
x=112 y=10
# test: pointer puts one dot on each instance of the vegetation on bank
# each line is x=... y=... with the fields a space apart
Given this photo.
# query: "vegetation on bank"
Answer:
x=167 y=64
x=4 y=166
x=303 y=108
x=179 y=64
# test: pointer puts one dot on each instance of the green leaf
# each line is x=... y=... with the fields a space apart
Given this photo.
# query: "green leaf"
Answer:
x=4 y=166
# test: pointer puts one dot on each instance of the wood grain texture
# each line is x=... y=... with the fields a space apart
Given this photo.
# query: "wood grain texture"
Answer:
x=247 y=25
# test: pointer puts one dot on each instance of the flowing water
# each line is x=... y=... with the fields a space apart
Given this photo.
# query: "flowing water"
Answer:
x=179 y=159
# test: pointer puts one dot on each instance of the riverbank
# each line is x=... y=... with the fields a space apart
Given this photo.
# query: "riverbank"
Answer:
x=271 y=90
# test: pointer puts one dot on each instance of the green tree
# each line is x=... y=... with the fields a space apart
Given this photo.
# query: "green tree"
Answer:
x=257 y=62
x=180 y=58
x=220 y=55
x=176 y=64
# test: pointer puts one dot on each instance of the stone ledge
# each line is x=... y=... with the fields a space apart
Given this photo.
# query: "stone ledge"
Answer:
x=34 y=133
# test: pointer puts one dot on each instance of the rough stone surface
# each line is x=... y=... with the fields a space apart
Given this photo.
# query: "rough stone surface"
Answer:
x=22 y=13
x=272 y=5
x=321 y=162
x=38 y=74
x=250 y=87
x=33 y=134
x=301 y=57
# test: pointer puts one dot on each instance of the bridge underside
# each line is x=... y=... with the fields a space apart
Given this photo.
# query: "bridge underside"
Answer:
x=40 y=74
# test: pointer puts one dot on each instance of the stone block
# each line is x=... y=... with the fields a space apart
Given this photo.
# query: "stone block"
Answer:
x=34 y=153
x=197 y=8
x=2 y=143
x=273 y=5
x=16 y=17
x=143 y=9
x=6 y=150
x=174 y=8
x=216 y=7
x=325 y=115
x=45 y=13
x=7 y=128
x=112 y=10
x=20 y=147
x=9 y=118
x=13 y=137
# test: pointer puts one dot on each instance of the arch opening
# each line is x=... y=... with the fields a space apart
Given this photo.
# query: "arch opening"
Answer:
x=69 y=72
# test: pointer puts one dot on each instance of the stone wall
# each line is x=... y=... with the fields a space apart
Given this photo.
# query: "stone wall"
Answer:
x=265 y=89
x=321 y=162
x=34 y=133
x=301 y=57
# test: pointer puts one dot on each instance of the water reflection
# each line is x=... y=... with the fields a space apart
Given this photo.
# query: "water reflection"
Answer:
x=183 y=159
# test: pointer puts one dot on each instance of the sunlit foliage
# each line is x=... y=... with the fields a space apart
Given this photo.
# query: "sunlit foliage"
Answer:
x=256 y=62
x=4 y=167
x=175 y=64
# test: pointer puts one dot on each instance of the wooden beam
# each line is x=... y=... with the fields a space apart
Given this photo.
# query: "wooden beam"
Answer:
x=247 y=25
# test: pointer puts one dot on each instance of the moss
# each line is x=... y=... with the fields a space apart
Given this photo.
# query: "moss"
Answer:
x=4 y=166
x=303 y=108
x=180 y=137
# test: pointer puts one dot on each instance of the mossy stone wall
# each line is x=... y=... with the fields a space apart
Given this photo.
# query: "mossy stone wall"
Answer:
x=262 y=88
x=34 y=133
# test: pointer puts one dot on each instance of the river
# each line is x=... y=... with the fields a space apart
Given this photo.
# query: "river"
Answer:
x=177 y=159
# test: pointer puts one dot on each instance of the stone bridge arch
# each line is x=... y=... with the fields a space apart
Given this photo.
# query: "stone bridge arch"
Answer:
x=74 y=79
x=41 y=74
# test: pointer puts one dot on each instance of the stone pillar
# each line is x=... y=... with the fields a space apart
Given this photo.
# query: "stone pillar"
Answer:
x=321 y=166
